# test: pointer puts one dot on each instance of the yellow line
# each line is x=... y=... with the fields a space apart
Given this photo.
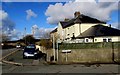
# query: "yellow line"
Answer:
x=8 y=55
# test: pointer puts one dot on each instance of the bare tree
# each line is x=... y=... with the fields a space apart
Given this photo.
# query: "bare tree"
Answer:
x=29 y=39
x=45 y=41
x=4 y=38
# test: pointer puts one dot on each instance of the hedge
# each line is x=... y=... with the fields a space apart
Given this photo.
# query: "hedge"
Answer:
x=89 y=45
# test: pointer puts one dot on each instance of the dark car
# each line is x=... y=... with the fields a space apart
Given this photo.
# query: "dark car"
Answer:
x=30 y=51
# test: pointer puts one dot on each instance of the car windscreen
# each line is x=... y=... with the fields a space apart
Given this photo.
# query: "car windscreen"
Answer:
x=29 y=50
x=30 y=46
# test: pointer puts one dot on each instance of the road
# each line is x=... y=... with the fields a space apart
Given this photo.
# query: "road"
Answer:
x=46 y=68
x=75 y=68
x=6 y=51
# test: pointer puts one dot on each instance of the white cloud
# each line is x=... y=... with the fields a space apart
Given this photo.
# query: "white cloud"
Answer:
x=85 y=1
x=35 y=27
x=41 y=32
x=15 y=34
x=3 y=15
x=59 y=11
x=7 y=24
x=108 y=0
x=30 y=14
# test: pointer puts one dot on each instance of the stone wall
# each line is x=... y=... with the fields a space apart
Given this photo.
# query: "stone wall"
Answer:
x=89 y=55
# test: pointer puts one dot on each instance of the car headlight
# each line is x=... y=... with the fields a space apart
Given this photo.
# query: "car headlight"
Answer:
x=35 y=53
x=25 y=53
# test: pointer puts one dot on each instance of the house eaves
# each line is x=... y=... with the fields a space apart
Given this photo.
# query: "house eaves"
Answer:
x=98 y=31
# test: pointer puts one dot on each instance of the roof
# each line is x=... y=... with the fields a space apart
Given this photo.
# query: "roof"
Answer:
x=80 y=19
x=55 y=30
x=100 y=30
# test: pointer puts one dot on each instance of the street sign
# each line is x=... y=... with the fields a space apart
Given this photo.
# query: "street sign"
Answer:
x=66 y=51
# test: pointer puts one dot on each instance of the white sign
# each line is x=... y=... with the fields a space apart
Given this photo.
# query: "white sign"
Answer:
x=66 y=51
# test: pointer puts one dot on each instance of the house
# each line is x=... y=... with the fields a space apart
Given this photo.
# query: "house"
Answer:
x=83 y=28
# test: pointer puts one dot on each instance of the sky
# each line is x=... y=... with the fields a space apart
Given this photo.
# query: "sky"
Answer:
x=44 y=16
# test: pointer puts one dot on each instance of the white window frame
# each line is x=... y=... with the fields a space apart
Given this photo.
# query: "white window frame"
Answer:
x=86 y=39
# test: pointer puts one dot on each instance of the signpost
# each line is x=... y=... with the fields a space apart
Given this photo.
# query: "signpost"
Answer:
x=66 y=51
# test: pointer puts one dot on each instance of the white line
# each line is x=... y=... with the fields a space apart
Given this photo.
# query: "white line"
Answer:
x=8 y=55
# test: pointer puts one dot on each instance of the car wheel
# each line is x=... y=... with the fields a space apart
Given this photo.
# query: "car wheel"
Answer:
x=35 y=57
x=24 y=57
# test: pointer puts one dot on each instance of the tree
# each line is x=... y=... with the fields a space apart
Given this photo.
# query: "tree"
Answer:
x=4 y=38
x=29 y=39
x=46 y=43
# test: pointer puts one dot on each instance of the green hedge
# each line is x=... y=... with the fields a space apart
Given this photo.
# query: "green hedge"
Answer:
x=89 y=45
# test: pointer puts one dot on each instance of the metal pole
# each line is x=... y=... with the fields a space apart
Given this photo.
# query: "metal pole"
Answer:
x=54 y=47
x=66 y=56
x=25 y=35
x=57 y=50
x=112 y=51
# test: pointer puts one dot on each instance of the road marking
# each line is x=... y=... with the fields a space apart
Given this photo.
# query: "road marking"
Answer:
x=8 y=55
x=14 y=63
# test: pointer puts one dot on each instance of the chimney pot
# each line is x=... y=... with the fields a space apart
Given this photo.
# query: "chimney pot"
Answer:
x=110 y=25
x=66 y=19
x=76 y=14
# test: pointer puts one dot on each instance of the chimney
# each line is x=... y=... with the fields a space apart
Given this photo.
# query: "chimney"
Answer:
x=66 y=19
x=110 y=25
x=76 y=14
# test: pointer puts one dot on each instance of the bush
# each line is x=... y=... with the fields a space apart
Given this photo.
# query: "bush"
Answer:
x=89 y=45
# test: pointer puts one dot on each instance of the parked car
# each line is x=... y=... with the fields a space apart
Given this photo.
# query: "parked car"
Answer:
x=30 y=51
x=18 y=46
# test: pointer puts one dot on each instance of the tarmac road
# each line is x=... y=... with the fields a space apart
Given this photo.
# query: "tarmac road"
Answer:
x=6 y=51
x=74 y=68
x=45 y=68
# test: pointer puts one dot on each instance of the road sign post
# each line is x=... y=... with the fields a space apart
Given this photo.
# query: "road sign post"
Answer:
x=66 y=52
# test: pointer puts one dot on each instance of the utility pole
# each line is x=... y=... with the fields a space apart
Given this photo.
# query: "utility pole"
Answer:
x=57 y=50
x=112 y=51
x=25 y=35
x=33 y=31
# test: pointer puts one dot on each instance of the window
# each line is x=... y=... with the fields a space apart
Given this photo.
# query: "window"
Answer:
x=104 y=40
x=95 y=39
x=109 y=40
x=86 y=40
x=73 y=37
